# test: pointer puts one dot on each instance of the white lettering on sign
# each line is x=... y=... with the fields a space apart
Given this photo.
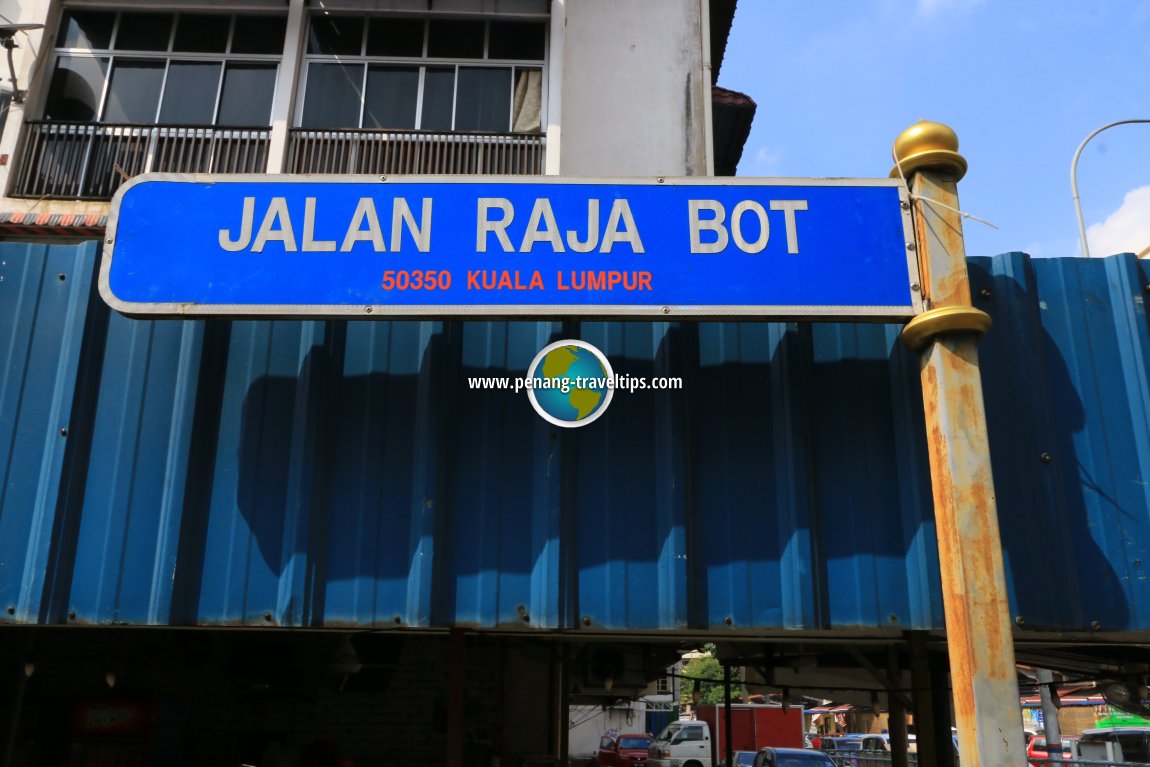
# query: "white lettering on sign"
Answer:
x=485 y=225
x=715 y=225
x=276 y=226
x=365 y=213
x=788 y=207
x=496 y=214
x=587 y=245
x=277 y=214
x=737 y=227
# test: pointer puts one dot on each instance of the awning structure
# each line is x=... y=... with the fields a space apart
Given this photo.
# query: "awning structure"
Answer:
x=31 y=224
x=731 y=116
x=1069 y=696
x=845 y=708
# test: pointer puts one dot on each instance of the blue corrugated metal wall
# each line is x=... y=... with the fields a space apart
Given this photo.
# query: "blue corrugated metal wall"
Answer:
x=343 y=473
x=1066 y=372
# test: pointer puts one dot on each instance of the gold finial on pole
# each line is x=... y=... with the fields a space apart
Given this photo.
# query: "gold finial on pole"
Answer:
x=928 y=144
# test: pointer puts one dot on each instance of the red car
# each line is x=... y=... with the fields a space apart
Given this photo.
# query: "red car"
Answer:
x=624 y=750
x=1038 y=750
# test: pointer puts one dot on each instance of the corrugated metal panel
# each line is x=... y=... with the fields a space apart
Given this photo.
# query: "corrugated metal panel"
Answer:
x=1067 y=382
x=44 y=296
x=344 y=473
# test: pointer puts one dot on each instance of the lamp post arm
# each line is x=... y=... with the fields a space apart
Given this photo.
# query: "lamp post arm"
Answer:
x=1074 y=180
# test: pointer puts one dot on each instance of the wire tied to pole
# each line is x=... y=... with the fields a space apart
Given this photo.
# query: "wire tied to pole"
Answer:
x=932 y=201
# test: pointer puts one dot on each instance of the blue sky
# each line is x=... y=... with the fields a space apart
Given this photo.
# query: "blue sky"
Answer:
x=1022 y=82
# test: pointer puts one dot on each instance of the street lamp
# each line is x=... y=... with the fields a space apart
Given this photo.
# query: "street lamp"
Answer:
x=8 y=42
x=1074 y=180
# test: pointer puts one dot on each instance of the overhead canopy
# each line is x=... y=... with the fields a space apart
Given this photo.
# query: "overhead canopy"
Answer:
x=731 y=116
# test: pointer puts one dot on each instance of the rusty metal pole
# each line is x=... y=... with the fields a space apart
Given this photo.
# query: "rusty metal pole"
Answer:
x=978 y=632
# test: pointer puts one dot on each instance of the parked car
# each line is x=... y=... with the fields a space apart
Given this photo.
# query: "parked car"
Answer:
x=875 y=742
x=742 y=759
x=626 y=750
x=1039 y=750
x=1122 y=744
x=792 y=757
x=841 y=743
x=828 y=742
x=841 y=747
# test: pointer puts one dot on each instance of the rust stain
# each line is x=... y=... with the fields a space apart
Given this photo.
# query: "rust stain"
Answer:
x=970 y=556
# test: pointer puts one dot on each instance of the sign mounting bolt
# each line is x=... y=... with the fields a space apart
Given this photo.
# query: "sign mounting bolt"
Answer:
x=108 y=240
x=910 y=246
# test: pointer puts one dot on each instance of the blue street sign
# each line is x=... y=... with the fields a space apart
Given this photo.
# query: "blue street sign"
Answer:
x=498 y=246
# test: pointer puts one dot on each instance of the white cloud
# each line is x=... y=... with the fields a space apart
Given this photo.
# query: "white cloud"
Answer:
x=765 y=163
x=1126 y=230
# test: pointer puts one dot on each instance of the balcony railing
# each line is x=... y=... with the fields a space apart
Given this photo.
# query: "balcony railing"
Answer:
x=89 y=161
x=413 y=152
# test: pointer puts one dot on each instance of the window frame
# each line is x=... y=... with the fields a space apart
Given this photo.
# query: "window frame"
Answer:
x=422 y=64
x=273 y=61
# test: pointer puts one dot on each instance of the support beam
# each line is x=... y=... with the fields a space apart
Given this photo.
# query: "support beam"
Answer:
x=1051 y=730
x=12 y=715
x=728 y=752
x=456 y=715
x=896 y=712
x=940 y=700
x=924 y=714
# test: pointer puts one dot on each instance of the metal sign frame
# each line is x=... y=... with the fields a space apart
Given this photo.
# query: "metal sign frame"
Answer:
x=150 y=234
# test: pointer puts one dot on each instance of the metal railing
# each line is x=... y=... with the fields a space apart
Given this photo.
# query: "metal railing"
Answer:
x=883 y=759
x=89 y=161
x=1039 y=760
x=413 y=152
x=851 y=758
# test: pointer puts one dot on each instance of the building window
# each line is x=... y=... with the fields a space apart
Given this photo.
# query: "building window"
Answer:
x=146 y=68
x=663 y=686
x=424 y=74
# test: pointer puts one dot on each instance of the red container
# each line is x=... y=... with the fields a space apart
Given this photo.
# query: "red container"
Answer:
x=752 y=727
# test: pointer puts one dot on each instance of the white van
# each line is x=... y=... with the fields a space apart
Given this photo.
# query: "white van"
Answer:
x=1113 y=744
x=685 y=743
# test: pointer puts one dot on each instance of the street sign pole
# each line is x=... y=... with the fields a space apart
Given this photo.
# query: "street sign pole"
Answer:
x=979 y=640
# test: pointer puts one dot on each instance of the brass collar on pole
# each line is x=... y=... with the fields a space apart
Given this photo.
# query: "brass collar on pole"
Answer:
x=946 y=319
